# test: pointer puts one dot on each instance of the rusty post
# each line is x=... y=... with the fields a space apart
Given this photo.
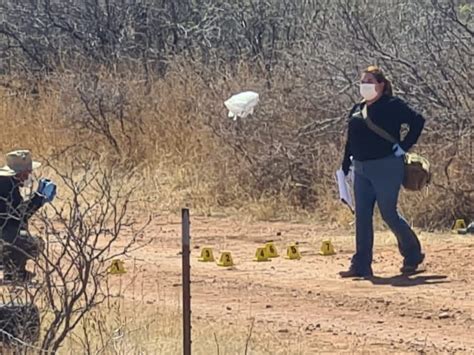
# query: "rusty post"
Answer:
x=186 y=273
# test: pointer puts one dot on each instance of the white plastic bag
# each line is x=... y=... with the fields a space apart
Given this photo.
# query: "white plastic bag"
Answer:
x=242 y=104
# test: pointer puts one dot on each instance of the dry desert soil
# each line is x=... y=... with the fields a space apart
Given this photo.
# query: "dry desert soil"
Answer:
x=303 y=306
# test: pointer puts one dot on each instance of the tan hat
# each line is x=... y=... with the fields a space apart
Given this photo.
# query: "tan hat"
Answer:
x=18 y=161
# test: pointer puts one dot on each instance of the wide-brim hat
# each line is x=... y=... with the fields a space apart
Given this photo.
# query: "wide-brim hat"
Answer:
x=18 y=161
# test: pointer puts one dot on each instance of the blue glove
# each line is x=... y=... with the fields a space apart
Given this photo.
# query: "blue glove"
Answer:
x=47 y=189
x=397 y=150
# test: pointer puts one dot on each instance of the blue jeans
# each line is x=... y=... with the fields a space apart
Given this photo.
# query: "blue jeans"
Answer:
x=380 y=180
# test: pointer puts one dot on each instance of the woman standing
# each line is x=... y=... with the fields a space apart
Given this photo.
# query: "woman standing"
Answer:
x=379 y=169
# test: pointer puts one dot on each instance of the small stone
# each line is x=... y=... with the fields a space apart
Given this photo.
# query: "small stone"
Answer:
x=283 y=331
x=312 y=327
x=380 y=321
x=268 y=306
x=229 y=308
x=444 y=315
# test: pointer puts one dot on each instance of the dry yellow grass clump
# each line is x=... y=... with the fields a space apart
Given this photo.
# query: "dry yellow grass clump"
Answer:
x=173 y=133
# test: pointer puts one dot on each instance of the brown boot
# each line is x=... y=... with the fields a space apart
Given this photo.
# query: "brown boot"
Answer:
x=410 y=268
x=353 y=272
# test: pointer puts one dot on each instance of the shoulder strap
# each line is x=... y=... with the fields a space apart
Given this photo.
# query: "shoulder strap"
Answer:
x=376 y=129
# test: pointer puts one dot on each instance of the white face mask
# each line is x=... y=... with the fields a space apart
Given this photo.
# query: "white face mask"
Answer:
x=368 y=91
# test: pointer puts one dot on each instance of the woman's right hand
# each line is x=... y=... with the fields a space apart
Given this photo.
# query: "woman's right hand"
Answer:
x=346 y=168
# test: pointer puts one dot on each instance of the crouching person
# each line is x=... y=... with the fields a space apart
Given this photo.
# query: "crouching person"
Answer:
x=18 y=244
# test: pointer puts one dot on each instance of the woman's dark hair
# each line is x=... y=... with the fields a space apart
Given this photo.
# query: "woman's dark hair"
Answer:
x=381 y=78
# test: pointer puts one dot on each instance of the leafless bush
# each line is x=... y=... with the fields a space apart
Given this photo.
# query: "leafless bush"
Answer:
x=81 y=232
x=295 y=138
x=302 y=57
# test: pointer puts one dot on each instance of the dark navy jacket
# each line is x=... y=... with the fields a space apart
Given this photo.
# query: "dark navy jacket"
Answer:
x=389 y=113
x=14 y=210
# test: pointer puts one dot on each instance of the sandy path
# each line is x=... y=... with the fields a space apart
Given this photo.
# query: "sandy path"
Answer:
x=306 y=302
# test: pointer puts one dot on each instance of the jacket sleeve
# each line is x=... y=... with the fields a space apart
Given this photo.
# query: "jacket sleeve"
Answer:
x=414 y=120
x=346 y=160
x=24 y=209
x=32 y=205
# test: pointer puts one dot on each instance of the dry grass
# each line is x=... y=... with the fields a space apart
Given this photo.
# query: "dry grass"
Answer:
x=174 y=135
x=137 y=321
x=117 y=330
x=135 y=324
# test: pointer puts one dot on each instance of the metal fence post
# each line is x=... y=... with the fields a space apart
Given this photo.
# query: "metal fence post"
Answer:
x=186 y=273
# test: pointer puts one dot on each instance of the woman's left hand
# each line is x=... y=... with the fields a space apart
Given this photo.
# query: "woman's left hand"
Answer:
x=397 y=150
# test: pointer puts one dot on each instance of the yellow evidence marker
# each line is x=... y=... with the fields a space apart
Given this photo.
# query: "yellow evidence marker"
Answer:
x=327 y=248
x=261 y=254
x=225 y=259
x=207 y=255
x=272 y=251
x=292 y=252
x=117 y=267
x=459 y=224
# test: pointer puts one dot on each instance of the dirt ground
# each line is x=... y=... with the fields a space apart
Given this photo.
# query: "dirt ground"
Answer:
x=303 y=306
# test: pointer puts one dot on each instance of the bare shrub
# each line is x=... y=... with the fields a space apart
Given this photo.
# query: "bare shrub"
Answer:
x=148 y=81
x=84 y=231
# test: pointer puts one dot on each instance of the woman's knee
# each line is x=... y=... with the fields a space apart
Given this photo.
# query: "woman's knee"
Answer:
x=390 y=216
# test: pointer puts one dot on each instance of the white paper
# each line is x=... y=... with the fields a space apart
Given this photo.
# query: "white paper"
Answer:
x=346 y=188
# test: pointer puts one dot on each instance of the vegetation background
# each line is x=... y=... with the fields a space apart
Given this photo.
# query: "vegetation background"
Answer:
x=136 y=87
x=141 y=85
